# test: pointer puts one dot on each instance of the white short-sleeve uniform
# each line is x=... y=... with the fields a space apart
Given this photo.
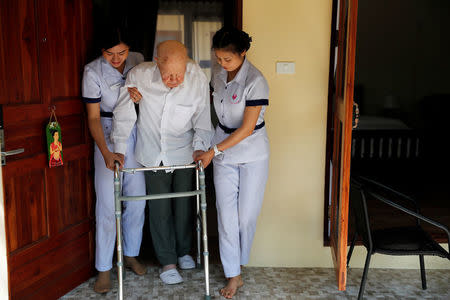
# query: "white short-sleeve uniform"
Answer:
x=240 y=173
x=102 y=83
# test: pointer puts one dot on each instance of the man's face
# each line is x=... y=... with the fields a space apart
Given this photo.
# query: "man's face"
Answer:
x=172 y=73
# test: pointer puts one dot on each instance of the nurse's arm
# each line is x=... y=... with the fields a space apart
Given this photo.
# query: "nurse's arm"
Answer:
x=251 y=114
x=95 y=127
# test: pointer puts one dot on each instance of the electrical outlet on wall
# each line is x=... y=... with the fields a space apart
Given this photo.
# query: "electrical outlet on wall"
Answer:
x=285 y=67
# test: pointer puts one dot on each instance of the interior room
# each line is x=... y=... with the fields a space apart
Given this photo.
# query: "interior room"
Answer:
x=402 y=90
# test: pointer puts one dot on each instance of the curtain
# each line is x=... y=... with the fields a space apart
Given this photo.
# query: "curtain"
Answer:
x=137 y=17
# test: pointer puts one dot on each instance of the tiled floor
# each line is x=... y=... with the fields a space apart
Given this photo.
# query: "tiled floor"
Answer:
x=280 y=283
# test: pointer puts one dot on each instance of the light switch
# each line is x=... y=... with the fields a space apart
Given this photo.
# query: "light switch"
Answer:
x=285 y=67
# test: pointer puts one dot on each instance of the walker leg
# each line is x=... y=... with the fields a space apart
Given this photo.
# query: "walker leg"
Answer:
x=198 y=228
x=118 y=214
x=205 y=233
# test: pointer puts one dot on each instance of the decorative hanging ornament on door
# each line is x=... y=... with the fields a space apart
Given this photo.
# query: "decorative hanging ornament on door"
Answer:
x=54 y=145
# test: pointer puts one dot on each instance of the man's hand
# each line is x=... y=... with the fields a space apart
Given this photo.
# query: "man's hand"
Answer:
x=134 y=94
x=205 y=157
x=110 y=159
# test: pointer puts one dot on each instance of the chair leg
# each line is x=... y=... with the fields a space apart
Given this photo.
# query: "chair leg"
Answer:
x=422 y=272
x=364 y=277
x=350 y=251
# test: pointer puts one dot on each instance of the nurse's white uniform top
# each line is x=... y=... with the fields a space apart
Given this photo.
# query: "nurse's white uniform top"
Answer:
x=248 y=88
x=240 y=173
x=101 y=84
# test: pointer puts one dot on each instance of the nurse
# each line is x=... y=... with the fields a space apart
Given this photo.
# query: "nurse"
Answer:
x=240 y=152
x=102 y=80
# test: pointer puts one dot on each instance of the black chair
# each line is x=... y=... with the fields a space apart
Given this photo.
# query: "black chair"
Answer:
x=407 y=240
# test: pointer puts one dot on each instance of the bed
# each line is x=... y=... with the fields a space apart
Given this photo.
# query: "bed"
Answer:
x=384 y=142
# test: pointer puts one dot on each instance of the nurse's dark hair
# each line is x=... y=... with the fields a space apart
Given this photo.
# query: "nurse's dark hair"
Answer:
x=112 y=36
x=231 y=39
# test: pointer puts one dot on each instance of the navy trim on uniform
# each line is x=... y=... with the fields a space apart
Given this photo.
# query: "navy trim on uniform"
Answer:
x=257 y=102
x=91 y=100
x=228 y=130
x=106 y=114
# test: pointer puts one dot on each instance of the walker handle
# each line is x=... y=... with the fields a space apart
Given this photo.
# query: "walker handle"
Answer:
x=200 y=166
x=116 y=168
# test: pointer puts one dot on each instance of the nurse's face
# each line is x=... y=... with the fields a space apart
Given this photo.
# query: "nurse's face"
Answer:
x=229 y=60
x=116 y=55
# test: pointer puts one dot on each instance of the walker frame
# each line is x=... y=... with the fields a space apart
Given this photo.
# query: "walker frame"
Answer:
x=200 y=194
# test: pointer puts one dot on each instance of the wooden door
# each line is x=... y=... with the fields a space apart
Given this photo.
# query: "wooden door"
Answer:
x=342 y=127
x=48 y=211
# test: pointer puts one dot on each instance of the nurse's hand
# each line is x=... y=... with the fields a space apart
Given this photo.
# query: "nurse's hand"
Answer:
x=121 y=159
x=134 y=94
x=205 y=157
x=197 y=153
x=110 y=159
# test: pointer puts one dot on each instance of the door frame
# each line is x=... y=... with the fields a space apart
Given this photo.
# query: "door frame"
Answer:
x=4 y=278
x=329 y=138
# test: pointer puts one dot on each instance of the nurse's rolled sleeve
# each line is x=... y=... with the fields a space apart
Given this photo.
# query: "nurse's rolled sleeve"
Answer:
x=124 y=117
x=201 y=122
x=90 y=89
x=258 y=93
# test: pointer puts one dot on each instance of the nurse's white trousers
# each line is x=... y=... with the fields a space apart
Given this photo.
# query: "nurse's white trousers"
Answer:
x=239 y=197
x=134 y=211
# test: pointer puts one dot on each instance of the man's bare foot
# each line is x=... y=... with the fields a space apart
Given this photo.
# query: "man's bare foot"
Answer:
x=232 y=286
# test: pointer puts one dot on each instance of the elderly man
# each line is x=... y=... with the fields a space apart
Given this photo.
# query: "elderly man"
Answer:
x=173 y=126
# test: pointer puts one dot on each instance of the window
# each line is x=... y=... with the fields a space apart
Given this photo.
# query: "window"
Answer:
x=192 y=23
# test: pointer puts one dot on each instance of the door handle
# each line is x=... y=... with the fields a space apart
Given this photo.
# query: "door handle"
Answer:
x=9 y=153
x=3 y=154
x=13 y=152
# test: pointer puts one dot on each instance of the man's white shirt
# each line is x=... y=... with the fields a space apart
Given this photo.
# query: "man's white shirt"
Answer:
x=172 y=122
